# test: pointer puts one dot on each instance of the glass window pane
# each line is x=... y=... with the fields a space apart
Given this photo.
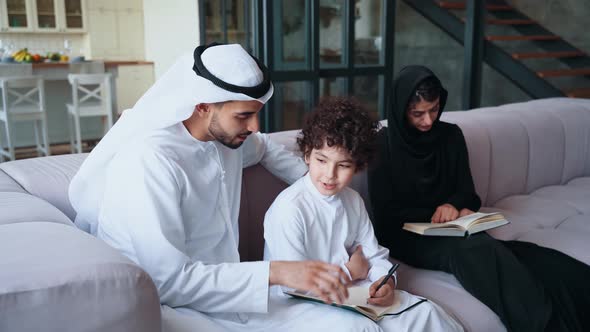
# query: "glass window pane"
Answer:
x=238 y=22
x=332 y=33
x=291 y=102
x=17 y=13
x=333 y=86
x=45 y=14
x=291 y=35
x=369 y=91
x=212 y=17
x=74 y=14
x=368 y=41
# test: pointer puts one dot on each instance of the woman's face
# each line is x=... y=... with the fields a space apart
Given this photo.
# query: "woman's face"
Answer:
x=422 y=115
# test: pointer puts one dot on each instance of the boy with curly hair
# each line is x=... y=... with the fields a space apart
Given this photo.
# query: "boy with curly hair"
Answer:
x=320 y=218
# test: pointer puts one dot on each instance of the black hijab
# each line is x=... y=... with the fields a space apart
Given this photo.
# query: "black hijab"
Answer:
x=417 y=143
x=418 y=158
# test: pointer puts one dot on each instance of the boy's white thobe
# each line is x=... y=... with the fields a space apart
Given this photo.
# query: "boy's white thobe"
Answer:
x=171 y=205
x=303 y=224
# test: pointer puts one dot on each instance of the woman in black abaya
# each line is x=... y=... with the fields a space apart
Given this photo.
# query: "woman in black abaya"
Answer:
x=423 y=175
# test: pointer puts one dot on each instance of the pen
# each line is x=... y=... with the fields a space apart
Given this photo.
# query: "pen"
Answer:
x=389 y=274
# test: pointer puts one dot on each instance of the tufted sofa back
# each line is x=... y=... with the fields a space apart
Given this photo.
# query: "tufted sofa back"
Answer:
x=518 y=148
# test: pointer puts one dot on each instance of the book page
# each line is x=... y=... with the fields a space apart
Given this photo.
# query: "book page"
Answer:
x=358 y=295
x=477 y=217
x=357 y=298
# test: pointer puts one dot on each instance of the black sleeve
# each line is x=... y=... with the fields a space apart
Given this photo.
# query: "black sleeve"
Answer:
x=388 y=209
x=465 y=195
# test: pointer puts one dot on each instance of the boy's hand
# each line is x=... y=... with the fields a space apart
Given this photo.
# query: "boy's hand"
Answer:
x=384 y=297
x=357 y=265
x=444 y=213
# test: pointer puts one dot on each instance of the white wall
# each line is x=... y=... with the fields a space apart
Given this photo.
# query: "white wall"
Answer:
x=43 y=43
x=171 y=29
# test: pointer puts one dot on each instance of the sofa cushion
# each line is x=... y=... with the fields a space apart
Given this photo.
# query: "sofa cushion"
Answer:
x=57 y=278
x=21 y=207
x=515 y=139
x=259 y=189
x=583 y=182
x=47 y=178
x=8 y=184
x=574 y=244
x=578 y=224
x=532 y=209
x=445 y=290
x=575 y=196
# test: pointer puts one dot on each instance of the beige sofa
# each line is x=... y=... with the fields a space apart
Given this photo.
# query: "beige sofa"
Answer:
x=529 y=160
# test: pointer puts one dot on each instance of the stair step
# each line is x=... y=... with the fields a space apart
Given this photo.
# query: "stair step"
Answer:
x=510 y=22
x=578 y=93
x=461 y=5
x=512 y=38
x=539 y=55
x=564 y=72
x=505 y=22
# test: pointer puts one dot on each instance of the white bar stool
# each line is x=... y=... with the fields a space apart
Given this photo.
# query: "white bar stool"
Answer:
x=91 y=94
x=23 y=99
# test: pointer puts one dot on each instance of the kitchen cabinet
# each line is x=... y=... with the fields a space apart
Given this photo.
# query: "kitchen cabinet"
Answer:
x=16 y=16
x=61 y=16
x=115 y=30
x=132 y=82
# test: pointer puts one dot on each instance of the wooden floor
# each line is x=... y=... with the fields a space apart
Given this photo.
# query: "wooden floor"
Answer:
x=56 y=149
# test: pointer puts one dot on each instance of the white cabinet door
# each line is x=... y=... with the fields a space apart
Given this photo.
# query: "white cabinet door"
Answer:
x=74 y=15
x=46 y=14
x=17 y=16
x=132 y=83
x=130 y=5
x=102 y=4
x=131 y=38
x=103 y=31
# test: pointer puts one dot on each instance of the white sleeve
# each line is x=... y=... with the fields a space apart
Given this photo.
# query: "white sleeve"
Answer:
x=284 y=164
x=142 y=205
x=377 y=255
x=284 y=233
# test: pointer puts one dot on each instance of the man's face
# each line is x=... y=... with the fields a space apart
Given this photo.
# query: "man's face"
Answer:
x=423 y=114
x=331 y=169
x=232 y=122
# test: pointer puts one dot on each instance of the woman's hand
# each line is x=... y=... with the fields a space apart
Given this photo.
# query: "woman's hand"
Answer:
x=465 y=212
x=385 y=295
x=327 y=281
x=444 y=213
x=357 y=265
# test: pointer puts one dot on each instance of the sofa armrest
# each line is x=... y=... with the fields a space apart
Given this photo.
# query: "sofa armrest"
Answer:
x=55 y=277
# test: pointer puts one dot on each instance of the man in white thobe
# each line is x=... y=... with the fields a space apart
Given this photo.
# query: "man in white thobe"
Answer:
x=163 y=187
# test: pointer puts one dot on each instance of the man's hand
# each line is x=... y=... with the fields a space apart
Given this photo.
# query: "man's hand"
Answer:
x=326 y=281
x=385 y=295
x=357 y=265
x=444 y=213
x=465 y=212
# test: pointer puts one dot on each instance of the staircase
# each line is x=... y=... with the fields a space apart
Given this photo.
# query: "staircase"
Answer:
x=539 y=62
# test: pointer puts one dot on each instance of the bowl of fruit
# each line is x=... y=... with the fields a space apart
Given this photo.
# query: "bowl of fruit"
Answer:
x=23 y=55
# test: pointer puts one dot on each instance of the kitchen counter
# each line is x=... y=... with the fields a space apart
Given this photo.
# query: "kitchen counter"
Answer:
x=58 y=92
x=107 y=64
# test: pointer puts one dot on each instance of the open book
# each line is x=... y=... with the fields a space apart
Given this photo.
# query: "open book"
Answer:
x=463 y=226
x=357 y=302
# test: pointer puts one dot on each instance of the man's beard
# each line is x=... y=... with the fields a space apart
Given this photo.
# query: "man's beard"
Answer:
x=222 y=136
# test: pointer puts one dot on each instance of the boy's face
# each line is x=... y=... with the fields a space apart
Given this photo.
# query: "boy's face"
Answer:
x=331 y=169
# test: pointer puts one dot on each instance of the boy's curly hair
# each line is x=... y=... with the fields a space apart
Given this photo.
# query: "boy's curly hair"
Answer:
x=340 y=122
